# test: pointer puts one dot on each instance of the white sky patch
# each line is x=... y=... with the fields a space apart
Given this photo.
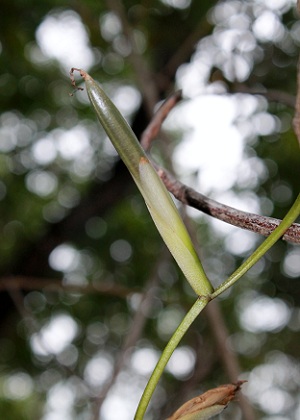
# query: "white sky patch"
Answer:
x=42 y=183
x=15 y=130
x=291 y=263
x=44 y=151
x=168 y=321
x=240 y=242
x=64 y=258
x=110 y=26
x=54 y=337
x=144 y=360
x=279 y=5
x=276 y=401
x=269 y=383
x=71 y=144
x=63 y=37
x=268 y=27
x=127 y=99
x=116 y=408
x=211 y=145
x=60 y=400
x=98 y=370
x=261 y=313
x=17 y=386
x=182 y=362
x=123 y=398
x=177 y=4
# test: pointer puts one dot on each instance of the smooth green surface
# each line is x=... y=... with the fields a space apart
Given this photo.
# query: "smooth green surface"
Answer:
x=158 y=200
x=187 y=321
x=262 y=249
x=116 y=127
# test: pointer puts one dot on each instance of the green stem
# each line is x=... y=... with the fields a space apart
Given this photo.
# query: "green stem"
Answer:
x=187 y=321
x=201 y=302
x=262 y=249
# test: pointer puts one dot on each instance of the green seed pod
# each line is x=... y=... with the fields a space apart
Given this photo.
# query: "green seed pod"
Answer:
x=156 y=196
x=170 y=226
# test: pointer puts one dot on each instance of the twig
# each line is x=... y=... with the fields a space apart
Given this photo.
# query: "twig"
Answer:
x=144 y=76
x=155 y=124
x=253 y=222
x=296 y=120
x=185 y=50
x=271 y=95
x=55 y=285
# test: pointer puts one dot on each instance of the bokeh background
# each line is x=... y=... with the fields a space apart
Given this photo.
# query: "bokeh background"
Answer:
x=89 y=294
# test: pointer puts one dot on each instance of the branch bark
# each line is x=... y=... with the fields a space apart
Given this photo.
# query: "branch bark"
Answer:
x=142 y=72
x=296 y=120
x=263 y=225
x=272 y=95
x=28 y=283
x=253 y=222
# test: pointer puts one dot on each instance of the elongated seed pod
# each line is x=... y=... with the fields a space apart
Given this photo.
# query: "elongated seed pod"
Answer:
x=169 y=224
x=156 y=196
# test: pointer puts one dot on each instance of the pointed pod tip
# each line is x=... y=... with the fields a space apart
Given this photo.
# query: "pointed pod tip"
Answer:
x=82 y=73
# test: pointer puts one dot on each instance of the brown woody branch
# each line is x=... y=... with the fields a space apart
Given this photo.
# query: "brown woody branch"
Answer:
x=185 y=50
x=253 y=222
x=143 y=74
x=296 y=120
x=161 y=114
x=56 y=285
x=272 y=95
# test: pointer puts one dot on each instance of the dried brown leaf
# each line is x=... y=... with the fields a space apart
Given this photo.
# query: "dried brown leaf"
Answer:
x=208 y=404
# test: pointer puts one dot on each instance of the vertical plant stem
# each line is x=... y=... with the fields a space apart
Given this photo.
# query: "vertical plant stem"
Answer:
x=201 y=302
x=187 y=321
x=262 y=249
